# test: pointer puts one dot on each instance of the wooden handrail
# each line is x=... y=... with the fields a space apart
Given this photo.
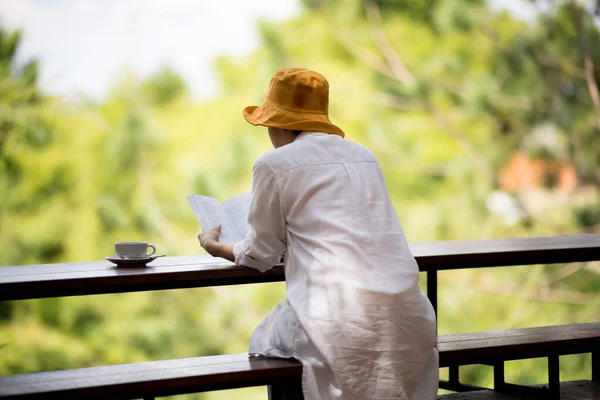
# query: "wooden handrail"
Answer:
x=98 y=277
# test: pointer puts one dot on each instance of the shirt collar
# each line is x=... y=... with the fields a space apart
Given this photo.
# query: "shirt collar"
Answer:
x=308 y=133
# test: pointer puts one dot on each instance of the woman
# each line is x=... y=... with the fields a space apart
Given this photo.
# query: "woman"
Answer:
x=354 y=313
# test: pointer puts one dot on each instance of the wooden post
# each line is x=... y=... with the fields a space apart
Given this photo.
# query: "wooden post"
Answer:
x=454 y=374
x=499 y=383
x=596 y=366
x=288 y=389
x=432 y=287
x=554 y=376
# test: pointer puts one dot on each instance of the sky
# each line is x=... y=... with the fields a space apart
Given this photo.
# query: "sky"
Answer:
x=83 y=45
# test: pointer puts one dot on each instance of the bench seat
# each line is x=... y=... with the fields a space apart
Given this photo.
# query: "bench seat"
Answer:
x=495 y=347
x=574 y=390
x=200 y=374
x=518 y=344
x=154 y=378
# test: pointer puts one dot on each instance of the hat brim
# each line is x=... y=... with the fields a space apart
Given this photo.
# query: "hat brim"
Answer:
x=275 y=117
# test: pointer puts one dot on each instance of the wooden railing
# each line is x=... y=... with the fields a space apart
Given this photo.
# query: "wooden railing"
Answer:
x=96 y=277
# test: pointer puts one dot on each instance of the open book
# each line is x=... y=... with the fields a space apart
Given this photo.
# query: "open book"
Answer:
x=231 y=215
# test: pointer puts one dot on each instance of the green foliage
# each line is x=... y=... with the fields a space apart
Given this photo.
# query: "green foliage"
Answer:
x=163 y=88
x=445 y=93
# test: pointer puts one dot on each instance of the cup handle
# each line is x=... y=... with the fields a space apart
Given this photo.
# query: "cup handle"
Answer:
x=153 y=250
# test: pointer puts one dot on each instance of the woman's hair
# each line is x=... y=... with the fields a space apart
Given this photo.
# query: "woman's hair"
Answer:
x=297 y=131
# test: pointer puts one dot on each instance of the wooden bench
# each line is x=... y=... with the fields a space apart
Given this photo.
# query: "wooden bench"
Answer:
x=495 y=347
x=574 y=390
x=162 y=378
x=155 y=378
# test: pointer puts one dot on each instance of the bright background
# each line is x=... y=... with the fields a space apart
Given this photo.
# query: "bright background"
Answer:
x=484 y=116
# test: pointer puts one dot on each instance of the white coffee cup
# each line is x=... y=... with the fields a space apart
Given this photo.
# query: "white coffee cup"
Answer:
x=133 y=249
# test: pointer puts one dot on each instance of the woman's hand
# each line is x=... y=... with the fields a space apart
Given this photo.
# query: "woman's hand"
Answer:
x=209 y=241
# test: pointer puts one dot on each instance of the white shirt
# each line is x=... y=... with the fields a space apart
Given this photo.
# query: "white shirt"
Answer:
x=354 y=313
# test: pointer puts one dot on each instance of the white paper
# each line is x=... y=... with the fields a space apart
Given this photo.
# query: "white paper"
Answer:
x=237 y=209
x=232 y=215
x=210 y=213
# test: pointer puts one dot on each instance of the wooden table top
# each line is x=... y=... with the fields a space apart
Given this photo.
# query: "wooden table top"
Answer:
x=97 y=277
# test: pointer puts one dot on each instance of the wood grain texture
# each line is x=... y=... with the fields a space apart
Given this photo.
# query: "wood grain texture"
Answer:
x=514 y=344
x=156 y=378
x=538 y=330
x=574 y=390
x=97 y=277
x=161 y=378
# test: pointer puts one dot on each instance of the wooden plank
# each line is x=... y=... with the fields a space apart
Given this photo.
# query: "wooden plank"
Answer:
x=551 y=329
x=161 y=378
x=104 y=277
x=169 y=377
x=96 y=265
x=479 y=395
x=574 y=390
x=505 y=252
x=515 y=344
x=96 y=277
x=156 y=378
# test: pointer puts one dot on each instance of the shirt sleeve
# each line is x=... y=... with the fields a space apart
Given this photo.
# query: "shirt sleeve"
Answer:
x=265 y=241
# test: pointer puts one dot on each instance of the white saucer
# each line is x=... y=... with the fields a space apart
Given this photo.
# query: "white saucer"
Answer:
x=131 y=262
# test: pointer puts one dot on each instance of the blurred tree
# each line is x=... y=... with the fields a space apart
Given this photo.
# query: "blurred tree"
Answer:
x=484 y=125
x=494 y=87
x=163 y=87
x=24 y=130
x=20 y=94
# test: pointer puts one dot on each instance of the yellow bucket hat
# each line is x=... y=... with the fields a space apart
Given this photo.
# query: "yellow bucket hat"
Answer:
x=297 y=99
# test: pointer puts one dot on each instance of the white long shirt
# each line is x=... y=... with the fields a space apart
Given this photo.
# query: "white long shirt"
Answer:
x=354 y=313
